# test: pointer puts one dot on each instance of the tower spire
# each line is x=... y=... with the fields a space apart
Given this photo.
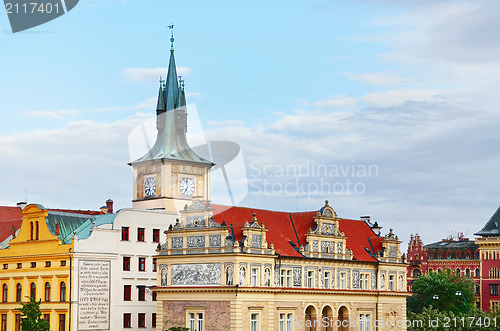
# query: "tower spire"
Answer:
x=171 y=27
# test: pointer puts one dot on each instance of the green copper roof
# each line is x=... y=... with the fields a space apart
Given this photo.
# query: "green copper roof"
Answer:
x=492 y=227
x=171 y=122
x=71 y=224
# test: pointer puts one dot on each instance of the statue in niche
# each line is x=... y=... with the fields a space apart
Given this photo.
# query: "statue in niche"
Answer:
x=242 y=276
x=229 y=276
x=267 y=277
x=163 y=277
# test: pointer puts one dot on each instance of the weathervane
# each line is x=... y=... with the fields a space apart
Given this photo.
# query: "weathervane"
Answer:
x=171 y=27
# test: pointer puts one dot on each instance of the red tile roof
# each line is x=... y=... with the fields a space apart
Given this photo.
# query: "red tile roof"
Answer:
x=9 y=216
x=286 y=227
x=73 y=211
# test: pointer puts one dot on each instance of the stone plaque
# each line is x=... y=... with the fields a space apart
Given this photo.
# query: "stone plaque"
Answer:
x=93 y=294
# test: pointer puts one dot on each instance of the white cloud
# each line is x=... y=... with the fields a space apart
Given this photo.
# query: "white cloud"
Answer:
x=225 y=123
x=336 y=101
x=379 y=79
x=399 y=96
x=149 y=74
x=51 y=114
x=193 y=95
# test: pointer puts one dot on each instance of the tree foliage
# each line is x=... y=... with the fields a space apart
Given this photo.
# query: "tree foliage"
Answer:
x=438 y=289
x=31 y=318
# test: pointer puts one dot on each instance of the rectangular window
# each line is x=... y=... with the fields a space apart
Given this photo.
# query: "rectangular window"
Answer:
x=126 y=263
x=195 y=321
x=364 y=322
x=4 y=322
x=200 y=322
x=127 y=292
x=156 y=235
x=391 y=282
x=153 y=320
x=46 y=317
x=494 y=289
x=18 y=322
x=142 y=264
x=364 y=281
x=254 y=277
x=141 y=290
x=494 y=305
x=342 y=281
x=141 y=320
x=47 y=263
x=153 y=296
x=191 y=321
x=62 y=322
x=33 y=264
x=140 y=234
x=127 y=320
x=19 y=265
x=285 y=322
x=254 y=322
x=154 y=264
x=125 y=233
x=326 y=279
x=310 y=275
x=6 y=266
x=63 y=263
x=286 y=278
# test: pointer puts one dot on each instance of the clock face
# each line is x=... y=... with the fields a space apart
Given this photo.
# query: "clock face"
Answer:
x=186 y=186
x=150 y=186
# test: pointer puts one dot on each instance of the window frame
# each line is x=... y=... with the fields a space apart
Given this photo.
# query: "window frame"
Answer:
x=156 y=235
x=310 y=279
x=141 y=319
x=193 y=319
x=47 y=291
x=62 y=292
x=126 y=263
x=141 y=233
x=125 y=234
x=141 y=264
x=127 y=320
x=127 y=292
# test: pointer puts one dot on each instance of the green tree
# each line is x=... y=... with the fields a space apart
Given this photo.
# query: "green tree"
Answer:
x=31 y=318
x=439 y=290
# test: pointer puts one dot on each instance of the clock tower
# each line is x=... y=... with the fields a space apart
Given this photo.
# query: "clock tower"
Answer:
x=170 y=173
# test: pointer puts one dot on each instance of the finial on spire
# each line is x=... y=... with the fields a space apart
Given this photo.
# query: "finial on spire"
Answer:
x=181 y=82
x=171 y=27
x=161 y=82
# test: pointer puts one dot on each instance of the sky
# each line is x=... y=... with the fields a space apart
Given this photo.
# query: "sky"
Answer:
x=387 y=108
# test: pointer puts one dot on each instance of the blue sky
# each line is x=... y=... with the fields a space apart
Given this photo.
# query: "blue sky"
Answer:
x=407 y=87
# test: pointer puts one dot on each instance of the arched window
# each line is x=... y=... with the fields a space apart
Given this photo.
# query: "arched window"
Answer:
x=467 y=272
x=31 y=230
x=5 y=292
x=33 y=291
x=478 y=273
x=62 y=292
x=47 y=291
x=416 y=273
x=458 y=272
x=430 y=256
x=458 y=256
x=19 y=292
x=440 y=256
x=477 y=255
x=467 y=256
x=37 y=231
x=448 y=256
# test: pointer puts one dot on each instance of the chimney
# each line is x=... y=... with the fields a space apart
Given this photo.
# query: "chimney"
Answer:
x=22 y=204
x=109 y=204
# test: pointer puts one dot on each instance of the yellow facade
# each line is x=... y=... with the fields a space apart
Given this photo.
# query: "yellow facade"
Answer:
x=245 y=285
x=36 y=263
